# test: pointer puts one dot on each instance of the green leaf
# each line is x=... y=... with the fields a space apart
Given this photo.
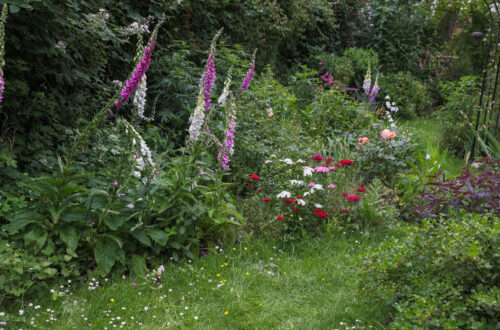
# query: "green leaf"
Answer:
x=14 y=9
x=116 y=239
x=35 y=240
x=21 y=220
x=174 y=245
x=141 y=236
x=159 y=236
x=104 y=252
x=69 y=235
x=114 y=222
x=139 y=266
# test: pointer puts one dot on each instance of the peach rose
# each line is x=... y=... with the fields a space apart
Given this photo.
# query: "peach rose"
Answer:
x=363 y=140
x=387 y=134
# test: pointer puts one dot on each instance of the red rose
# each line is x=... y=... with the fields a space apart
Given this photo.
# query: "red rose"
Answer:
x=361 y=189
x=344 y=194
x=254 y=176
x=266 y=199
x=279 y=217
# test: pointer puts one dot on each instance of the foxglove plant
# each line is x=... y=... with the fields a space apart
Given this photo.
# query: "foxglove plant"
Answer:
x=248 y=78
x=140 y=98
x=228 y=146
x=140 y=69
x=373 y=93
x=367 y=83
x=209 y=75
x=197 y=118
x=3 y=19
x=225 y=92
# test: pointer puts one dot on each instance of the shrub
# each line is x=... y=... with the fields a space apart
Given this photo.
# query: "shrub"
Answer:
x=385 y=158
x=461 y=98
x=407 y=92
x=441 y=275
x=475 y=190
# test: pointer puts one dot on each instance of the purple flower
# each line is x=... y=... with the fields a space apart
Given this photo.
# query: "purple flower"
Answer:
x=140 y=70
x=2 y=85
x=209 y=79
x=133 y=284
x=115 y=183
x=250 y=73
x=373 y=95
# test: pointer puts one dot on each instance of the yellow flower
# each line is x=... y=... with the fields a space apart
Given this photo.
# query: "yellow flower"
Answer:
x=225 y=264
x=234 y=249
x=226 y=312
x=246 y=248
x=218 y=275
x=323 y=279
x=284 y=273
x=222 y=265
x=112 y=299
x=247 y=274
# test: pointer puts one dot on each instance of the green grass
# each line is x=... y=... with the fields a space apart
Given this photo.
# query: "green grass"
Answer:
x=312 y=285
x=428 y=131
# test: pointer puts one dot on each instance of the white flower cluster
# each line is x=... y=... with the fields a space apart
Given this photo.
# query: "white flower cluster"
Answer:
x=284 y=194
x=197 y=118
x=391 y=107
x=287 y=161
x=308 y=171
x=296 y=182
x=225 y=93
x=146 y=156
x=140 y=98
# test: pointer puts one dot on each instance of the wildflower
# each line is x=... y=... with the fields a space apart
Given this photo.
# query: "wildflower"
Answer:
x=209 y=75
x=284 y=194
x=311 y=184
x=387 y=134
x=229 y=143
x=287 y=161
x=225 y=91
x=332 y=168
x=363 y=140
x=269 y=112
x=266 y=199
x=295 y=208
x=353 y=198
x=322 y=169
x=319 y=206
x=338 y=164
x=279 y=217
x=226 y=312
x=328 y=161
x=301 y=202
x=345 y=162
x=112 y=300
x=427 y=156
x=250 y=73
x=344 y=194
x=345 y=211
x=361 y=189
x=140 y=98
x=331 y=186
x=374 y=91
x=318 y=158
x=197 y=118
x=367 y=83
x=115 y=183
x=133 y=284
x=139 y=72
x=254 y=176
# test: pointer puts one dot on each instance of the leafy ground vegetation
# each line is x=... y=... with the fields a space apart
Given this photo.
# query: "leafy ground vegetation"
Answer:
x=246 y=164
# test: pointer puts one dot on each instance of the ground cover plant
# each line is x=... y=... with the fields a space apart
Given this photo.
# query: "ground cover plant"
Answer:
x=246 y=164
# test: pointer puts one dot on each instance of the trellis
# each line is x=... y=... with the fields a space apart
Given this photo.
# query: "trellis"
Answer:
x=488 y=111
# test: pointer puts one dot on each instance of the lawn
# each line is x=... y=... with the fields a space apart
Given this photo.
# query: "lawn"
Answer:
x=312 y=284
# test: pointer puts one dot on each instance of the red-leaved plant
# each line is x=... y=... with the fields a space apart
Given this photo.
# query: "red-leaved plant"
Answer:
x=475 y=190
